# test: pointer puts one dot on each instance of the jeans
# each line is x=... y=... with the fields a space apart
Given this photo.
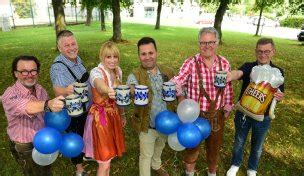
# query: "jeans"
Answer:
x=151 y=147
x=259 y=130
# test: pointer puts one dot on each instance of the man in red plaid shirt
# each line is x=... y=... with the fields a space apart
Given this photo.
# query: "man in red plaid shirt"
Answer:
x=195 y=80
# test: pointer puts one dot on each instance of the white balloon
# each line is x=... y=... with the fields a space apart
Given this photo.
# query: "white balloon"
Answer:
x=44 y=159
x=188 y=110
x=174 y=143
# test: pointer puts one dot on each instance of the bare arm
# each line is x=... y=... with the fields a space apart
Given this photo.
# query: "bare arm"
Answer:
x=103 y=88
x=64 y=91
x=34 y=107
x=234 y=75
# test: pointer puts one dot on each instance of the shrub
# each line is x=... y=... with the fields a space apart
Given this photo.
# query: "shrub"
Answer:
x=293 y=22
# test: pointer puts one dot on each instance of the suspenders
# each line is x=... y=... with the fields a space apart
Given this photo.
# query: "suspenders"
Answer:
x=211 y=113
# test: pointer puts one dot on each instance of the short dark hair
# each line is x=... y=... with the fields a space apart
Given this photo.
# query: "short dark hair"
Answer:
x=25 y=58
x=64 y=33
x=265 y=41
x=144 y=41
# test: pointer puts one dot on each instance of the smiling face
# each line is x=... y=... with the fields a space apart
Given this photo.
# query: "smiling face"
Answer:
x=110 y=61
x=67 y=45
x=264 y=53
x=147 y=56
x=208 y=45
x=26 y=66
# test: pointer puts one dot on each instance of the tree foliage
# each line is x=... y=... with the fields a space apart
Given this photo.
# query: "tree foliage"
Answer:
x=22 y=8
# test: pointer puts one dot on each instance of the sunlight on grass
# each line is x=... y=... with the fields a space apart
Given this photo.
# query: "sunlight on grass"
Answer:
x=283 y=153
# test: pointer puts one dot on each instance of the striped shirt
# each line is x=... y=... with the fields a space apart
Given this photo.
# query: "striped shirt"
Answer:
x=158 y=105
x=22 y=126
x=187 y=79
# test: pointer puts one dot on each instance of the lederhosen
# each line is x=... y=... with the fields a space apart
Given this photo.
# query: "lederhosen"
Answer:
x=77 y=123
x=216 y=119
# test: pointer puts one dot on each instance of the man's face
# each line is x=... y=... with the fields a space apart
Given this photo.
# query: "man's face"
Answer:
x=264 y=53
x=27 y=73
x=147 y=56
x=208 y=45
x=68 y=47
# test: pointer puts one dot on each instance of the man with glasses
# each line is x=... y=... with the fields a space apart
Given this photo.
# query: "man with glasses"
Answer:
x=265 y=50
x=24 y=104
x=65 y=71
x=196 y=77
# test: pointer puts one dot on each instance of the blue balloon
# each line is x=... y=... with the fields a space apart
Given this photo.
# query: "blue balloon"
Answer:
x=189 y=135
x=204 y=127
x=47 y=140
x=72 y=145
x=167 y=122
x=58 y=120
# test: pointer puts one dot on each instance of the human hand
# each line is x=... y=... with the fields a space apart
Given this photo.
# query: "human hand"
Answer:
x=229 y=77
x=56 y=104
x=123 y=120
x=227 y=109
x=112 y=93
x=70 y=89
x=279 y=95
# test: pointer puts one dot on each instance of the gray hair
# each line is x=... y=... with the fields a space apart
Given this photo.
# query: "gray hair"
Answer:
x=210 y=30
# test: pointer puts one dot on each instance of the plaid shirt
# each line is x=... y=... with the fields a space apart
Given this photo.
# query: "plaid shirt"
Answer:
x=187 y=79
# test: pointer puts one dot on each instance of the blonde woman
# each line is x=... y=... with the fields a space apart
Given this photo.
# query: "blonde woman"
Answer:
x=106 y=120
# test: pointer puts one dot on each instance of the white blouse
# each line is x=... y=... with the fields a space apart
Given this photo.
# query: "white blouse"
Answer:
x=96 y=73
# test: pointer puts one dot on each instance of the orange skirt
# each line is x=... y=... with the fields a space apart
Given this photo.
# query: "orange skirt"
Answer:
x=107 y=130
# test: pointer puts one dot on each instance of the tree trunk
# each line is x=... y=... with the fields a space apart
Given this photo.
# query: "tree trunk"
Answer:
x=219 y=17
x=259 y=22
x=89 y=16
x=159 y=8
x=116 y=22
x=59 y=16
x=102 y=20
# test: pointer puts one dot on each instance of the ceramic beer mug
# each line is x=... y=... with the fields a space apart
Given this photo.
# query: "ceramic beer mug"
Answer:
x=82 y=89
x=74 y=105
x=141 y=95
x=220 y=79
x=123 y=95
x=169 y=91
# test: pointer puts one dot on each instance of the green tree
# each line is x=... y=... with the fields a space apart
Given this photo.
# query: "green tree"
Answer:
x=159 y=8
x=22 y=8
x=219 y=16
x=60 y=23
x=260 y=6
x=89 y=6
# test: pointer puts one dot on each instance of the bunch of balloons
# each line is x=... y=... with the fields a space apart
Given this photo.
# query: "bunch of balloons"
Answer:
x=49 y=141
x=184 y=129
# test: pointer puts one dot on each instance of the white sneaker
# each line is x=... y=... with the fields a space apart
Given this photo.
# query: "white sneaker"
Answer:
x=232 y=171
x=251 y=173
x=210 y=174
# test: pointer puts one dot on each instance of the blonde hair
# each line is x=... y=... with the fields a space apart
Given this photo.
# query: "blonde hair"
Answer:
x=108 y=48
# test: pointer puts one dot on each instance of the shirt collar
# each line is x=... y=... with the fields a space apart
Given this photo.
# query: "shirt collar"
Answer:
x=68 y=62
x=150 y=73
x=25 y=90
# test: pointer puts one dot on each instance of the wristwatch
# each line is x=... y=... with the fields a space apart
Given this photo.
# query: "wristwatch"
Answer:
x=46 y=107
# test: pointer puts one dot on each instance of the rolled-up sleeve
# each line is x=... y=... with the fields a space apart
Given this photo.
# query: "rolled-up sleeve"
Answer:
x=14 y=105
x=181 y=78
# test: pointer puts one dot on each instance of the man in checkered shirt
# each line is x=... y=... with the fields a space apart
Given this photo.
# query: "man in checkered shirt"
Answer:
x=195 y=80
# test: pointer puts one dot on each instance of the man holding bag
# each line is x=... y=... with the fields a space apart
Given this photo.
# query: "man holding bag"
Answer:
x=265 y=50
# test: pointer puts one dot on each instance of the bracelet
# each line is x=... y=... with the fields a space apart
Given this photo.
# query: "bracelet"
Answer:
x=46 y=107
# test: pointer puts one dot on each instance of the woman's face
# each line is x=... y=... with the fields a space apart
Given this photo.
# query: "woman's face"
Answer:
x=110 y=61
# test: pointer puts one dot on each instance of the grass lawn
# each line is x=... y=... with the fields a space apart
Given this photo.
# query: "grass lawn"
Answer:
x=283 y=153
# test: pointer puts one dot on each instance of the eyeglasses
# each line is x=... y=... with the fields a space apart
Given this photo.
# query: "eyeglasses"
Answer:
x=266 y=52
x=210 y=43
x=26 y=73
